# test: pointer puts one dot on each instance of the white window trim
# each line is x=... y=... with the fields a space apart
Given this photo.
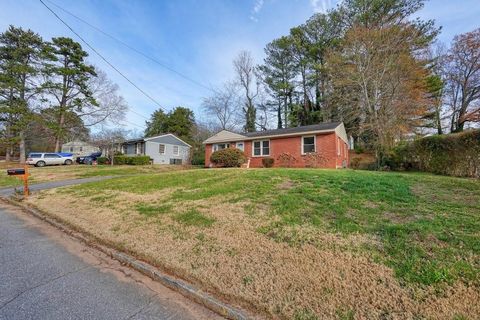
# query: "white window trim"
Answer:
x=314 y=144
x=164 y=148
x=243 y=145
x=339 y=148
x=178 y=150
x=215 y=146
x=261 y=148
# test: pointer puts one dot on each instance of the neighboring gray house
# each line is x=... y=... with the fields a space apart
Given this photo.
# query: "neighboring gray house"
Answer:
x=79 y=148
x=163 y=149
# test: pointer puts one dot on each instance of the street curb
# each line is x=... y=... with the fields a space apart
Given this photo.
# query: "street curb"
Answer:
x=180 y=286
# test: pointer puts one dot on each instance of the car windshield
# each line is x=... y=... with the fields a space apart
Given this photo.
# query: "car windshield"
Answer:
x=35 y=155
x=51 y=155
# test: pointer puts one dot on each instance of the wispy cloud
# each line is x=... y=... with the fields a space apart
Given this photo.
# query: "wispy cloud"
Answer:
x=256 y=9
x=321 y=5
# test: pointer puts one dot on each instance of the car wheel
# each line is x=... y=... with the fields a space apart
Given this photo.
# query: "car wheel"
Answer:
x=40 y=164
x=68 y=162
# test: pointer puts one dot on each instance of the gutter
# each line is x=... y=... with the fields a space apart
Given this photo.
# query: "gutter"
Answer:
x=296 y=134
x=180 y=286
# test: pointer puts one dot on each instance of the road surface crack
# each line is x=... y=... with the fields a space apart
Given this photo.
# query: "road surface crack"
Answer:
x=41 y=285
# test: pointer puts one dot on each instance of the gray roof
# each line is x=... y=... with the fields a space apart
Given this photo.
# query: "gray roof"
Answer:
x=228 y=136
x=313 y=127
x=168 y=138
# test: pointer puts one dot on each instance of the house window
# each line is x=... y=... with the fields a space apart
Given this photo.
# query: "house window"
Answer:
x=176 y=161
x=240 y=146
x=308 y=144
x=81 y=149
x=220 y=146
x=71 y=149
x=161 y=148
x=175 y=150
x=339 y=150
x=261 y=148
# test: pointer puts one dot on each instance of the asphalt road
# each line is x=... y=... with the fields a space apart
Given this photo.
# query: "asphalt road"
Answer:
x=44 y=274
x=52 y=184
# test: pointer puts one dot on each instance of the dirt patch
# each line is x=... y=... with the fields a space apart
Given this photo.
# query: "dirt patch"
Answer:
x=286 y=185
x=231 y=258
x=398 y=218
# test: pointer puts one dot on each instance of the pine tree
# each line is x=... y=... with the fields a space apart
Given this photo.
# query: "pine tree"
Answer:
x=21 y=61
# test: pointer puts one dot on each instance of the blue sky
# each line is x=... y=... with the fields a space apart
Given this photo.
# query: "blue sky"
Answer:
x=198 y=38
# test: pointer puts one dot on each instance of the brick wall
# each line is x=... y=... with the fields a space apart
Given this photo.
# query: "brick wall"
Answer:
x=332 y=148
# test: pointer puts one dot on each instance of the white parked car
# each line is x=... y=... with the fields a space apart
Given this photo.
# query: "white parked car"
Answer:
x=41 y=159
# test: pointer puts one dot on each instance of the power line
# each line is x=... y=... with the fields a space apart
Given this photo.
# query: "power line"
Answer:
x=132 y=48
x=133 y=124
x=103 y=58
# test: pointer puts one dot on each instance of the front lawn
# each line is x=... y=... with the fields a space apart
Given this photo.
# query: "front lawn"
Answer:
x=55 y=173
x=297 y=243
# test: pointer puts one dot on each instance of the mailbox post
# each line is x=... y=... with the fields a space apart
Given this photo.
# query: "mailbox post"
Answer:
x=21 y=173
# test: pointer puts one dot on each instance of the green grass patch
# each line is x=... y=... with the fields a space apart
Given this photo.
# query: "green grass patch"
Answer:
x=194 y=217
x=153 y=210
x=428 y=226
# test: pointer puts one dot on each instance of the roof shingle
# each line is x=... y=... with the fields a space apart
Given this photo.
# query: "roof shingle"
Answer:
x=313 y=127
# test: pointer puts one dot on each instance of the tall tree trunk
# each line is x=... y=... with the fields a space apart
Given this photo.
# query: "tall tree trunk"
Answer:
x=279 y=115
x=8 y=154
x=59 y=134
x=22 y=147
x=287 y=103
x=306 y=101
x=8 y=150
x=438 y=121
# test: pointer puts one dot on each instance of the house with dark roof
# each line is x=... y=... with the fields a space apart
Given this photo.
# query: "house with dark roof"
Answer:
x=321 y=145
x=162 y=149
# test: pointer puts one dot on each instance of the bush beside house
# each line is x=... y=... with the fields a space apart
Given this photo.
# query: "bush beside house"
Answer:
x=135 y=160
x=268 y=162
x=230 y=157
x=102 y=160
x=455 y=154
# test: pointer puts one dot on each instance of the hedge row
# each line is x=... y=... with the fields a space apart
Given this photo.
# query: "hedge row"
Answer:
x=229 y=157
x=102 y=160
x=453 y=154
x=132 y=160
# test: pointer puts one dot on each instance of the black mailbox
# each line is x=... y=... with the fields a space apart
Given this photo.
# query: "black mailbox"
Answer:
x=15 y=172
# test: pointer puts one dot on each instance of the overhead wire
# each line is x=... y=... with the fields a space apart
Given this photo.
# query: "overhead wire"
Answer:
x=106 y=61
x=132 y=48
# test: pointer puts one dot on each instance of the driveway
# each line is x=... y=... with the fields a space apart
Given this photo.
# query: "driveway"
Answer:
x=44 y=274
x=52 y=184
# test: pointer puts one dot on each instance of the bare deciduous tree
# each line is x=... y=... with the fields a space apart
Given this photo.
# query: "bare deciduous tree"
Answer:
x=380 y=83
x=246 y=76
x=223 y=105
x=111 y=106
x=109 y=141
x=462 y=71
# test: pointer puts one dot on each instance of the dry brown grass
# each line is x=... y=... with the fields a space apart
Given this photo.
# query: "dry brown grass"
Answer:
x=57 y=173
x=321 y=274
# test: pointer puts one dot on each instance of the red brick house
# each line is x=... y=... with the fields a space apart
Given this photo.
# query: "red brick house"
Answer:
x=327 y=141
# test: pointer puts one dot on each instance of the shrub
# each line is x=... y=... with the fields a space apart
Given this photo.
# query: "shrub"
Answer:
x=355 y=163
x=139 y=160
x=131 y=160
x=198 y=159
x=359 y=149
x=314 y=160
x=286 y=160
x=102 y=160
x=268 y=162
x=229 y=157
x=456 y=154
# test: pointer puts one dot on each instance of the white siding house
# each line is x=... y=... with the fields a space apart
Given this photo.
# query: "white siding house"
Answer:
x=79 y=148
x=163 y=149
